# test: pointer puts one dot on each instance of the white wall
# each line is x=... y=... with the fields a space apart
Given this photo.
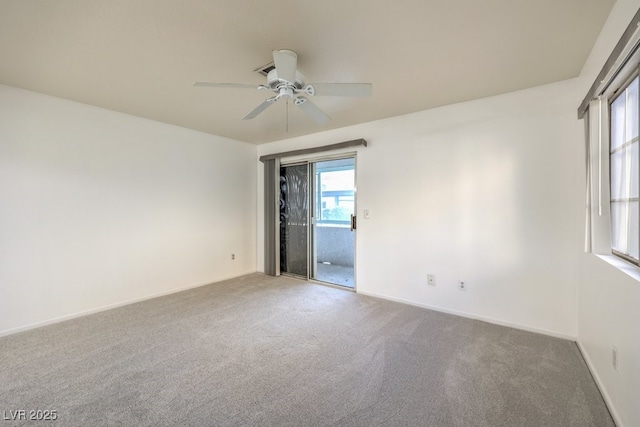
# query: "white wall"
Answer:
x=483 y=191
x=99 y=208
x=609 y=300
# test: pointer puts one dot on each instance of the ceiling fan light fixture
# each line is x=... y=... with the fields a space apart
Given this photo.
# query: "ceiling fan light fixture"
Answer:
x=285 y=92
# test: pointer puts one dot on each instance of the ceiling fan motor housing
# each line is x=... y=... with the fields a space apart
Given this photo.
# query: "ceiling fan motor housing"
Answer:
x=274 y=82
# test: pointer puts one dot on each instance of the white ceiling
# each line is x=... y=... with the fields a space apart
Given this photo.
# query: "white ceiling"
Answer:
x=141 y=56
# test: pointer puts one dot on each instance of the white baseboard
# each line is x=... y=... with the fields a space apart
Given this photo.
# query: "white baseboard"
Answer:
x=474 y=316
x=603 y=390
x=115 y=305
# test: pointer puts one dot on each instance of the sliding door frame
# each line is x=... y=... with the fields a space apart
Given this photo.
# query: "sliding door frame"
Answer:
x=271 y=201
x=311 y=220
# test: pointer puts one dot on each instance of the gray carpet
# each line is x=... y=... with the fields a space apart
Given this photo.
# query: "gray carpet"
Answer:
x=271 y=351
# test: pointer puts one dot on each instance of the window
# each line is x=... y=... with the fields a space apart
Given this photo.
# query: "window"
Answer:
x=624 y=159
x=612 y=118
x=335 y=194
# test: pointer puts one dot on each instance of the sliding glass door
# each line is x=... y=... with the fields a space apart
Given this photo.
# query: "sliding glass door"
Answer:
x=334 y=221
x=317 y=220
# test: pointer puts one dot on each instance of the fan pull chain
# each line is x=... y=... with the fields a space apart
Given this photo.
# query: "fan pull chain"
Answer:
x=286 y=120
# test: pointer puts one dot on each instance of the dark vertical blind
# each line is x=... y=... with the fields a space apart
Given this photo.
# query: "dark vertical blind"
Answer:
x=271 y=173
x=294 y=219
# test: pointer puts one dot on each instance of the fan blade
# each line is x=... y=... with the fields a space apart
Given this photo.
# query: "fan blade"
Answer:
x=312 y=110
x=238 y=85
x=260 y=108
x=286 y=62
x=339 y=89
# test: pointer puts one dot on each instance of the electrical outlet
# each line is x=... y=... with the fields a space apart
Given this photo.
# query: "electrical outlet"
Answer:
x=614 y=357
x=462 y=285
x=431 y=280
x=233 y=256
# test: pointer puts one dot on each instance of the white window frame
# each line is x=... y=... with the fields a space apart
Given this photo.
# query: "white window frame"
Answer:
x=621 y=89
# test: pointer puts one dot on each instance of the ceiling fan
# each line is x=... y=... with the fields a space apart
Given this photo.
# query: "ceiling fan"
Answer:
x=288 y=83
